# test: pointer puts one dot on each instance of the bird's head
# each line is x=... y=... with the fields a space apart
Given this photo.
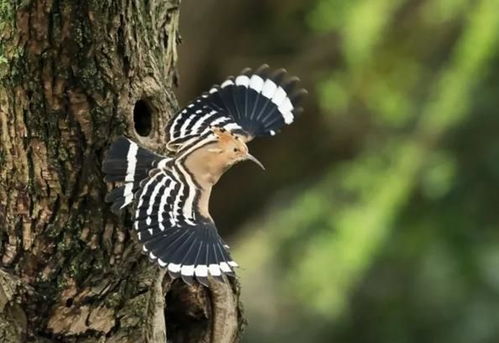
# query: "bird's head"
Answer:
x=230 y=148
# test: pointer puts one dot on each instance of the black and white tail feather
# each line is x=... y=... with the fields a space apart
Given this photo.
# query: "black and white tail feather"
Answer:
x=254 y=104
x=169 y=227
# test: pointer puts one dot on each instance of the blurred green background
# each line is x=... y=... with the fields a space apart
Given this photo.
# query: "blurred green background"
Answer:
x=378 y=217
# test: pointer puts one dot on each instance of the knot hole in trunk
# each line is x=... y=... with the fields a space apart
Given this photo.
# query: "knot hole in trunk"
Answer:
x=142 y=118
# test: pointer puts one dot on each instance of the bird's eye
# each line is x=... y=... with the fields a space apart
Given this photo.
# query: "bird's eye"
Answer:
x=236 y=149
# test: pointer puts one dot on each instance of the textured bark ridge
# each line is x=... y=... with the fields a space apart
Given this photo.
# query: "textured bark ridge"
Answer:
x=72 y=74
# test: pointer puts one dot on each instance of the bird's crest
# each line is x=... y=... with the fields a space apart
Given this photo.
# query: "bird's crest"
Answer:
x=222 y=134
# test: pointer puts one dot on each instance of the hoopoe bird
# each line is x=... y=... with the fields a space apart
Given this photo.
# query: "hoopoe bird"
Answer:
x=171 y=193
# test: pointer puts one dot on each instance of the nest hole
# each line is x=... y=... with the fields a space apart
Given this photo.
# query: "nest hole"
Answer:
x=142 y=118
x=69 y=302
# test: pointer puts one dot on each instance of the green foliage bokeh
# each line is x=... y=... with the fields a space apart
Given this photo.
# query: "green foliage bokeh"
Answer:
x=399 y=243
x=378 y=217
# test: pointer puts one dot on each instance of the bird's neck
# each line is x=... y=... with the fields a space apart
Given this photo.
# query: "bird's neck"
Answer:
x=206 y=170
x=205 y=167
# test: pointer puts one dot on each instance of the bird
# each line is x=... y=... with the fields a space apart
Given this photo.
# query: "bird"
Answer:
x=170 y=193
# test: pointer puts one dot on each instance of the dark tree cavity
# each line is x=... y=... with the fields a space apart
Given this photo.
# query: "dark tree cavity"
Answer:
x=142 y=118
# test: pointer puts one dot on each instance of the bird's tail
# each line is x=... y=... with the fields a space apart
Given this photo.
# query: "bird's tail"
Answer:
x=126 y=163
x=190 y=252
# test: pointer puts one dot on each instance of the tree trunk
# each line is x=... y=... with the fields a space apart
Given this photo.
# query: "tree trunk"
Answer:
x=74 y=75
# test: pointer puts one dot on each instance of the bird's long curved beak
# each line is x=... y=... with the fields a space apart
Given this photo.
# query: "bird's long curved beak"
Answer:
x=253 y=158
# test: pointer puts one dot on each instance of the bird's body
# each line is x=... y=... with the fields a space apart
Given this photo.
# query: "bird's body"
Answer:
x=172 y=193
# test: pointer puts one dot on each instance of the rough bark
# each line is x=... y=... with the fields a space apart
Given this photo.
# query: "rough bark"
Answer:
x=71 y=75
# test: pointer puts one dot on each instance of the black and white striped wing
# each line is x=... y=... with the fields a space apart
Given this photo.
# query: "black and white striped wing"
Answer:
x=128 y=164
x=196 y=119
x=255 y=103
x=173 y=234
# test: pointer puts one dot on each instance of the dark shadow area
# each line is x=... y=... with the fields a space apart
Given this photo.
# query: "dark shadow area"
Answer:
x=186 y=313
x=142 y=118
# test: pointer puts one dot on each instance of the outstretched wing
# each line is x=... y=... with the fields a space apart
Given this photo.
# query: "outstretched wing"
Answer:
x=128 y=164
x=255 y=103
x=173 y=233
